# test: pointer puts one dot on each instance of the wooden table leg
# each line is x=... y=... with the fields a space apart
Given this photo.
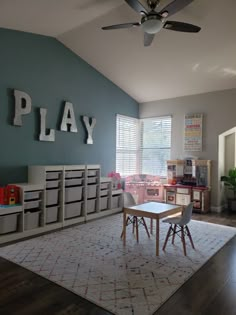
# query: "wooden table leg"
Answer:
x=151 y=226
x=157 y=237
x=124 y=228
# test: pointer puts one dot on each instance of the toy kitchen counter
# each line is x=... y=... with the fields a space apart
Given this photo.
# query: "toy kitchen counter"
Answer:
x=183 y=194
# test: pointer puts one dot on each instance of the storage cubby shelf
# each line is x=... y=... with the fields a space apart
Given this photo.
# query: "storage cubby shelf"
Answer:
x=62 y=195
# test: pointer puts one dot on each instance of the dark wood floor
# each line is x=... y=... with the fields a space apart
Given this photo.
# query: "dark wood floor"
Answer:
x=211 y=291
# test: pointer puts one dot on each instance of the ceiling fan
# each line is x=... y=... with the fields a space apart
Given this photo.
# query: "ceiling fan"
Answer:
x=152 y=21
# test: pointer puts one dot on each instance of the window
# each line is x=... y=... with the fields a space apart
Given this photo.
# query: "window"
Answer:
x=127 y=145
x=155 y=145
x=142 y=146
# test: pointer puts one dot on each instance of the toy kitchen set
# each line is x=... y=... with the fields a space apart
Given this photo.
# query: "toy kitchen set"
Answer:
x=189 y=180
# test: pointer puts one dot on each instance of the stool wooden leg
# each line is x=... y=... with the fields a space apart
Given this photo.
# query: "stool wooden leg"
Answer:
x=134 y=220
x=190 y=237
x=145 y=225
x=174 y=232
x=183 y=240
x=122 y=233
x=167 y=237
x=136 y=223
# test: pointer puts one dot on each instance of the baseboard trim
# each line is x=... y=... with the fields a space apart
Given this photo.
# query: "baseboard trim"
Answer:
x=217 y=209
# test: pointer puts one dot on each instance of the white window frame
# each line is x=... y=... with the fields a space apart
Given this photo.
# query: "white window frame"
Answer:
x=139 y=149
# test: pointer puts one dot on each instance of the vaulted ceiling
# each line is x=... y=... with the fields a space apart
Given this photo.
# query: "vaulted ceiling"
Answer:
x=176 y=63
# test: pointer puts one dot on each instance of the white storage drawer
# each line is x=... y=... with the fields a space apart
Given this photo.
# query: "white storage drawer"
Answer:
x=74 y=182
x=73 y=209
x=73 y=174
x=92 y=191
x=115 y=201
x=8 y=223
x=52 y=184
x=91 y=205
x=73 y=194
x=31 y=220
x=32 y=204
x=29 y=195
x=182 y=199
x=103 y=203
x=104 y=185
x=51 y=214
x=92 y=172
x=53 y=175
x=92 y=180
x=52 y=197
x=104 y=192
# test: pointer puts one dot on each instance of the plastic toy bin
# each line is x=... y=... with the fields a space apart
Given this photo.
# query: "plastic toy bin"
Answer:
x=8 y=223
x=72 y=209
x=115 y=201
x=73 y=194
x=51 y=197
x=51 y=214
x=91 y=205
x=31 y=220
x=103 y=203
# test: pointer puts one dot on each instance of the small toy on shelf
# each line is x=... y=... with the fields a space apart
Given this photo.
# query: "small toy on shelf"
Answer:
x=116 y=180
x=9 y=195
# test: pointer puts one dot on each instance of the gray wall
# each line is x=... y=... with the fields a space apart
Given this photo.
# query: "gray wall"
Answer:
x=219 y=110
x=51 y=74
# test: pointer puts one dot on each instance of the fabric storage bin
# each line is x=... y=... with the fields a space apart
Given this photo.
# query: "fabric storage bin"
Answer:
x=74 y=182
x=29 y=195
x=115 y=201
x=73 y=194
x=8 y=223
x=92 y=180
x=92 y=172
x=92 y=191
x=103 y=203
x=31 y=220
x=52 y=184
x=51 y=197
x=52 y=175
x=72 y=209
x=51 y=214
x=104 y=192
x=32 y=204
x=91 y=205
x=104 y=185
x=73 y=174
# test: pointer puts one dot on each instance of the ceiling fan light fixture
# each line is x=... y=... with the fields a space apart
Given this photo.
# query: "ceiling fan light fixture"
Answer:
x=152 y=24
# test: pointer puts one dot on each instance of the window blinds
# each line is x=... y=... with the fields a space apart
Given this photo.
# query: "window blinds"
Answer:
x=142 y=146
x=127 y=138
x=155 y=137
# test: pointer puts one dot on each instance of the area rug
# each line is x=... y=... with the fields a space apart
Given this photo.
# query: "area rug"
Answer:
x=90 y=260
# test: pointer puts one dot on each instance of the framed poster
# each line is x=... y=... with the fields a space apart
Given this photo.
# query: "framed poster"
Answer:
x=193 y=132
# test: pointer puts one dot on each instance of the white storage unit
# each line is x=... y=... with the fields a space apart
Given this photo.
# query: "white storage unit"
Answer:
x=58 y=196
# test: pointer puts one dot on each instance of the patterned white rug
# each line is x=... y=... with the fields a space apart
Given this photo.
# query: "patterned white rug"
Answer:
x=90 y=260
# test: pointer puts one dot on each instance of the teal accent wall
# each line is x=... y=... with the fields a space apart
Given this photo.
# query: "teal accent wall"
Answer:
x=51 y=74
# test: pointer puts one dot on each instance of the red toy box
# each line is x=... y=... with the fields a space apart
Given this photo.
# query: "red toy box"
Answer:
x=9 y=195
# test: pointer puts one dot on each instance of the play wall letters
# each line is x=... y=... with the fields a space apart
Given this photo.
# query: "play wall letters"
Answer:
x=23 y=105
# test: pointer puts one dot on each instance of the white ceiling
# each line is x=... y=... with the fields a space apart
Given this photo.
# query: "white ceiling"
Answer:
x=176 y=63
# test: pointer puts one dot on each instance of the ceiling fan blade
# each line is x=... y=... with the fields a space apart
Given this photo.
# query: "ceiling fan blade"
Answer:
x=174 y=7
x=119 y=26
x=181 y=27
x=136 y=5
x=148 y=38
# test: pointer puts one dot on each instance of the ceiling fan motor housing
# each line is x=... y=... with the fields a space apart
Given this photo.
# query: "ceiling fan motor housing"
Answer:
x=152 y=23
